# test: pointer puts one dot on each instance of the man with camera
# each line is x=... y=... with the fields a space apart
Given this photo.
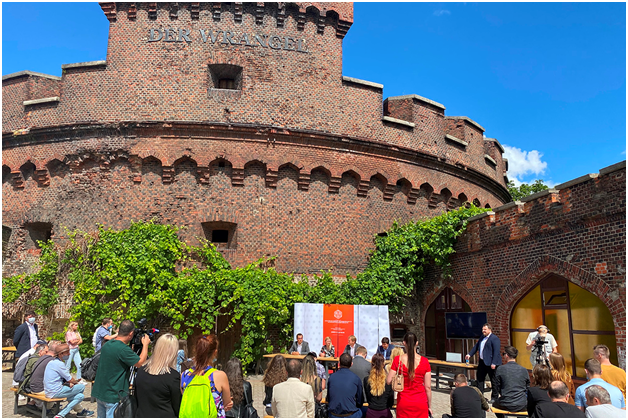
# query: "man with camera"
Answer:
x=112 y=376
x=542 y=344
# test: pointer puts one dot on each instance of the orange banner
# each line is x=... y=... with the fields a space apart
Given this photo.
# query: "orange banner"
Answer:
x=338 y=325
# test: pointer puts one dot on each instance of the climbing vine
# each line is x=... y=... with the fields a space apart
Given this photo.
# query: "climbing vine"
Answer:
x=40 y=288
x=147 y=271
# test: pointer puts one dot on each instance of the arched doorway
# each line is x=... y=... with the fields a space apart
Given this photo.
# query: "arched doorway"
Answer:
x=577 y=318
x=436 y=342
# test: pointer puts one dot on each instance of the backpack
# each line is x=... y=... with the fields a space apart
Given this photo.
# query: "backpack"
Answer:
x=89 y=367
x=197 y=400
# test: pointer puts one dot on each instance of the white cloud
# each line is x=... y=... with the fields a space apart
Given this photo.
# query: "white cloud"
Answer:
x=441 y=12
x=522 y=163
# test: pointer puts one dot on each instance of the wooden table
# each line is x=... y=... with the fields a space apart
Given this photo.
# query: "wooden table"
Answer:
x=11 y=349
x=326 y=361
x=440 y=363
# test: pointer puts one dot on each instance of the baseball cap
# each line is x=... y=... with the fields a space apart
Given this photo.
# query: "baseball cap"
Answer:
x=41 y=342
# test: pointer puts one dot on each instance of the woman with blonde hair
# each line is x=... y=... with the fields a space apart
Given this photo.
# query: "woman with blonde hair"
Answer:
x=310 y=377
x=328 y=349
x=397 y=351
x=275 y=373
x=157 y=382
x=73 y=338
x=559 y=372
x=379 y=394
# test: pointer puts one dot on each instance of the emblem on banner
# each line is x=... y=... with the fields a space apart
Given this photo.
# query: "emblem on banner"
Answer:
x=338 y=314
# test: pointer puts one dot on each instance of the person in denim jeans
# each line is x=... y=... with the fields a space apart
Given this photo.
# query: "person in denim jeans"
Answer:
x=112 y=375
x=58 y=383
x=73 y=338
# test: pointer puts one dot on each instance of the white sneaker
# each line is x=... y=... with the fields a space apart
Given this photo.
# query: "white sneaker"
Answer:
x=21 y=398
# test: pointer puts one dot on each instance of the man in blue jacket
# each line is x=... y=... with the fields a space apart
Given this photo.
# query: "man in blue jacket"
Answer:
x=490 y=357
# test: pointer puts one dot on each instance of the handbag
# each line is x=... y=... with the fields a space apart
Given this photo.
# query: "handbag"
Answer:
x=398 y=382
x=249 y=411
x=127 y=407
x=320 y=410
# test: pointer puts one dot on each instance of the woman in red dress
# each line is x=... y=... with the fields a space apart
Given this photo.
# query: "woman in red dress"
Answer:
x=416 y=398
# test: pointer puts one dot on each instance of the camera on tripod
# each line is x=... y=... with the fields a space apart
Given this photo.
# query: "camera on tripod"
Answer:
x=539 y=348
x=138 y=333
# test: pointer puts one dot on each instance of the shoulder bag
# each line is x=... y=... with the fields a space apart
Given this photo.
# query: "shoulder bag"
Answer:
x=249 y=411
x=398 y=382
x=127 y=407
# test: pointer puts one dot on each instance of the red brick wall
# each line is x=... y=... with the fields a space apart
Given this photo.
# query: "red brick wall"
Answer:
x=156 y=81
x=578 y=232
x=312 y=172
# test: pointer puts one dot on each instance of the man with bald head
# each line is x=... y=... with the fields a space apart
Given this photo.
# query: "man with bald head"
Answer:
x=58 y=383
x=559 y=407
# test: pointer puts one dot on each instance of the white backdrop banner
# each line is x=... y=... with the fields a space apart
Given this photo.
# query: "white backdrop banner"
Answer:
x=369 y=323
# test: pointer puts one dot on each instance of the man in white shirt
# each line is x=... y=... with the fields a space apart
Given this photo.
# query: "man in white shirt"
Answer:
x=293 y=398
x=599 y=404
x=541 y=333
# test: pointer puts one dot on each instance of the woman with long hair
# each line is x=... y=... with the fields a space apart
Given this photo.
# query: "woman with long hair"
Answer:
x=379 y=394
x=157 y=382
x=310 y=377
x=73 y=338
x=416 y=398
x=559 y=372
x=542 y=376
x=206 y=355
x=397 y=351
x=275 y=373
x=328 y=349
x=241 y=391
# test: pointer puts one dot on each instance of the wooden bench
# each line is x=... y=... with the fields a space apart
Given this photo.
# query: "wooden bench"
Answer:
x=504 y=413
x=57 y=402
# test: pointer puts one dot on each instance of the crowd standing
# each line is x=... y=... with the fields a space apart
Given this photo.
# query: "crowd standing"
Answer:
x=168 y=384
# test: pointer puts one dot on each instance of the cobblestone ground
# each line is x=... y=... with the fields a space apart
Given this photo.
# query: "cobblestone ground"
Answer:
x=440 y=399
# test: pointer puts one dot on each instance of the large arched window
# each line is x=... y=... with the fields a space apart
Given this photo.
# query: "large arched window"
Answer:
x=577 y=318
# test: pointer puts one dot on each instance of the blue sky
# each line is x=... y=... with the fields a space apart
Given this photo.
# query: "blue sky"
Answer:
x=548 y=80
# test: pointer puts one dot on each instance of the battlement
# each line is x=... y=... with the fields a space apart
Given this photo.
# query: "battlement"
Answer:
x=583 y=202
x=336 y=15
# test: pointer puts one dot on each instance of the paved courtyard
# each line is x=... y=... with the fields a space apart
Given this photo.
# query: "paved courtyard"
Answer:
x=440 y=399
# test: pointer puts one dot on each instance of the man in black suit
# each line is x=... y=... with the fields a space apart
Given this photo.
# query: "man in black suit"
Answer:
x=26 y=335
x=488 y=349
x=559 y=407
x=352 y=346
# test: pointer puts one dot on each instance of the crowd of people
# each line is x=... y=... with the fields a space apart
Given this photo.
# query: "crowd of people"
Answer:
x=170 y=384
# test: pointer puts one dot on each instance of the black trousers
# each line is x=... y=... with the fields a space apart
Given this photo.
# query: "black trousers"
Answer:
x=483 y=370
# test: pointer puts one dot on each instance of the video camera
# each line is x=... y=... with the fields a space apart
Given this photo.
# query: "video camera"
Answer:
x=138 y=333
x=539 y=347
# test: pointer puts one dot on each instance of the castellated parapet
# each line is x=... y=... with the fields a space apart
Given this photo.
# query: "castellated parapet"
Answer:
x=233 y=117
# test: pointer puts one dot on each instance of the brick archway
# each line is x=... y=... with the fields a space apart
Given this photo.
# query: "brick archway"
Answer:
x=548 y=264
x=430 y=297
